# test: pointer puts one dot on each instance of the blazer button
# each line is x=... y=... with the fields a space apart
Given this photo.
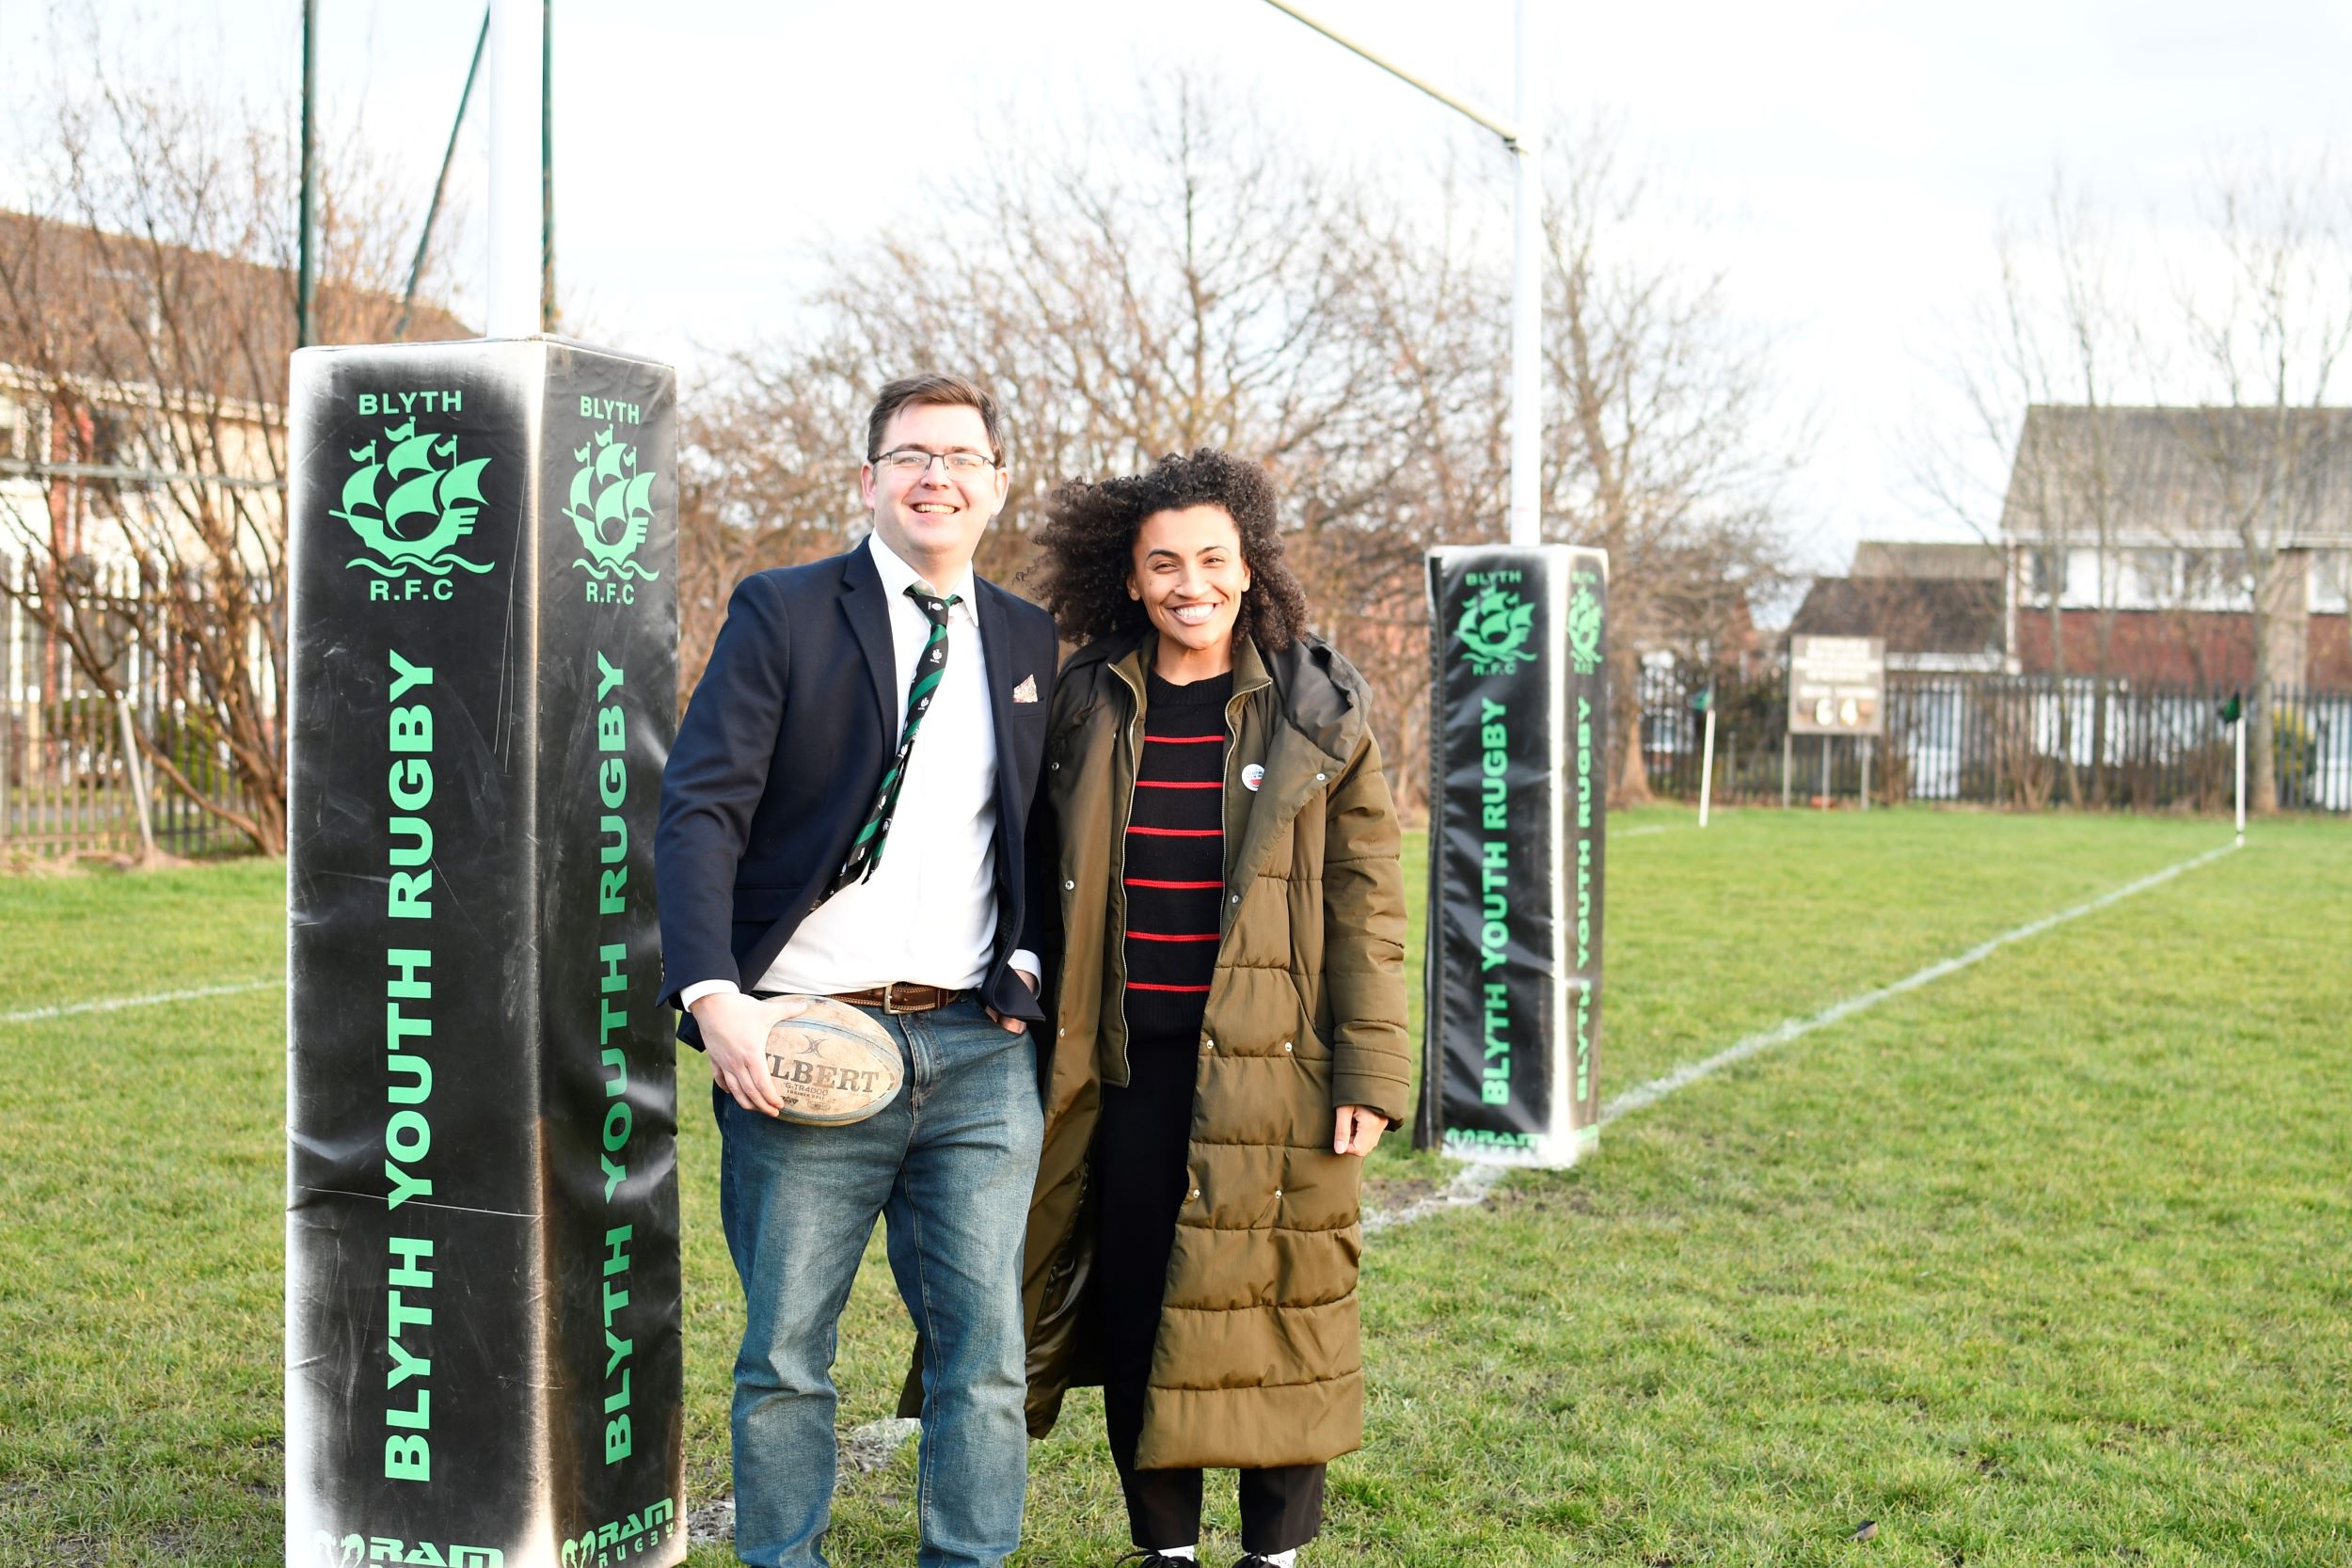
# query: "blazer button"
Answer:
x=1319 y=777
x=1069 y=887
x=1286 y=1045
x=1235 y=899
x=1278 y=1191
x=1056 y=767
x=1211 y=1044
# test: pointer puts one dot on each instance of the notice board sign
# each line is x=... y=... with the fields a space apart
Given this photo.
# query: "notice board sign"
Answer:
x=1837 y=686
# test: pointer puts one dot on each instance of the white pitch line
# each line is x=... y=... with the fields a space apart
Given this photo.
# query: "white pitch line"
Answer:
x=1642 y=1096
x=1653 y=828
x=1473 y=1183
x=111 y=1003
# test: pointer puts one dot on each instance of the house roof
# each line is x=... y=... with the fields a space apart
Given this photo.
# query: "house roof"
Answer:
x=83 y=302
x=1916 y=615
x=1905 y=557
x=2180 y=473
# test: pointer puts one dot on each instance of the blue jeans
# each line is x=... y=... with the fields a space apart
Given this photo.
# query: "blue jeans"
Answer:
x=951 y=1163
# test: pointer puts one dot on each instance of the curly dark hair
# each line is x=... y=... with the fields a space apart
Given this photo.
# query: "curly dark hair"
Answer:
x=1087 y=546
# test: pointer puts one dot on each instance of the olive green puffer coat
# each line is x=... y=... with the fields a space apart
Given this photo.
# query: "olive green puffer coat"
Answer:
x=1257 y=1362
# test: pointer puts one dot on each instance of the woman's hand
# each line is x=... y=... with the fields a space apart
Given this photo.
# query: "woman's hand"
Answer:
x=1356 y=1130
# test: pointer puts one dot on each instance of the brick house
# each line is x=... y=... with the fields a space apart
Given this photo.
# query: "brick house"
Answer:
x=2167 y=490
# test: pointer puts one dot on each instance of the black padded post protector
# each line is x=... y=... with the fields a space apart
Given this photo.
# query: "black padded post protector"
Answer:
x=482 y=1267
x=1519 y=781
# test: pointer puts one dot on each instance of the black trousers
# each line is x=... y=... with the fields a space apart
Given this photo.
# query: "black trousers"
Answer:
x=1140 y=1183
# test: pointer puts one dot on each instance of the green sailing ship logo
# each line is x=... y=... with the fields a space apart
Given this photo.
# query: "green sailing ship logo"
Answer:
x=431 y=505
x=1583 y=626
x=612 y=507
x=1495 y=631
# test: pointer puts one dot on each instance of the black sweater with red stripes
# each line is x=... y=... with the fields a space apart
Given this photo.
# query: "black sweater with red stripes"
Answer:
x=1175 y=870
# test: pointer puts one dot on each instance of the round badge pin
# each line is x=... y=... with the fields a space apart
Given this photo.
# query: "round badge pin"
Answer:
x=1253 y=775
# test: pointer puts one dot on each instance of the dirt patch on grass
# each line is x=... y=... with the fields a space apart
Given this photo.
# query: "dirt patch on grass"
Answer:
x=1388 y=1194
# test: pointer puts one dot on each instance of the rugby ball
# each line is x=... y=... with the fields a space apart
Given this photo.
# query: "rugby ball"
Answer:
x=832 y=1064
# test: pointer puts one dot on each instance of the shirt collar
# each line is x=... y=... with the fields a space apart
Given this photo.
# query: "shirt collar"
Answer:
x=896 y=576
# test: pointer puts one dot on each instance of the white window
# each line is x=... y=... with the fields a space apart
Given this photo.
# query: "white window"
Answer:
x=2332 y=582
x=2213 y=580
x=2082 y=579
x=2047 y=574
x=2147 y=579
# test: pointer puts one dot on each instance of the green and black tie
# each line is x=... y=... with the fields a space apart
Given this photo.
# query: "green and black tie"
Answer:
x=866 y=850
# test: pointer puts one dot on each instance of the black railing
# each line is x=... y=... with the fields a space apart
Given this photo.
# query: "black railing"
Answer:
x=1993 y=739
x=64 y=786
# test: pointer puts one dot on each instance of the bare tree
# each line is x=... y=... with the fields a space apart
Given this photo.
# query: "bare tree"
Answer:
x=2038 y=372
x=1157 y=288
x=1142 y=291
x=1660 y=448
x=2269 y=330
x=1178 y=278
x=147 y=313
x=768 y=465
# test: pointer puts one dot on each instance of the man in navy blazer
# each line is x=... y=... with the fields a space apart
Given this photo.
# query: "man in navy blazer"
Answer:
x=844 y=814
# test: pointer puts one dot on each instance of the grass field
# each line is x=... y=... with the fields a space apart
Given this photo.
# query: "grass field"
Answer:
x=2049 y=1260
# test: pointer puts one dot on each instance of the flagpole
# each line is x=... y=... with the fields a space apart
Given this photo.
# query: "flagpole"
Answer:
x=2241 y=780
x=1706 y=766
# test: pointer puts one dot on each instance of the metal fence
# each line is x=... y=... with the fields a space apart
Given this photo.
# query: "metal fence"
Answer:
x=1993 y=740
x=1978 y=739
x=65 y=787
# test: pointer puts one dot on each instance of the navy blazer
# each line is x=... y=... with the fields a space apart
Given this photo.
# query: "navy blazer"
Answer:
x=782 y=748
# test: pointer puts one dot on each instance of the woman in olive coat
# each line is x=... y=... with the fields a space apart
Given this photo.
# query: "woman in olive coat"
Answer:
x=1228 y=1008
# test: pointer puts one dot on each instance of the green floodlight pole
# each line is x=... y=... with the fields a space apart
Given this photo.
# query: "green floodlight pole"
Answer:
x=1523 y=139
x=440 y=184
x=547 y=165
x=306 y=220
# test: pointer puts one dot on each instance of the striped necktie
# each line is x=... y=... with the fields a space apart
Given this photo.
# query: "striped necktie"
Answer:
x=866 y=850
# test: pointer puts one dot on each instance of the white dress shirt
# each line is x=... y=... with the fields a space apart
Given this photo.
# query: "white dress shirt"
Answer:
x=928 y=914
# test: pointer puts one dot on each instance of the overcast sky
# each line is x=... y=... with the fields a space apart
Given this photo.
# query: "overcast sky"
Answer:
x=1855 y=159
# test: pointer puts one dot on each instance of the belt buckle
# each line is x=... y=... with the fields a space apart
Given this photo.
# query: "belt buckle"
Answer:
x=890 y=1008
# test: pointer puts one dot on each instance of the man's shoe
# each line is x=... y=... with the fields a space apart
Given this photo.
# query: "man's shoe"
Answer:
x=1143 y=1558
x=1251 y=1560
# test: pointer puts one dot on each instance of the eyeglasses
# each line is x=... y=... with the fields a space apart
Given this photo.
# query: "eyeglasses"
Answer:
x=914 y=460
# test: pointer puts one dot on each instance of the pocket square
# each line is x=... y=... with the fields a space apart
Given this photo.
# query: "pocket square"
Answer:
x=1026 y=691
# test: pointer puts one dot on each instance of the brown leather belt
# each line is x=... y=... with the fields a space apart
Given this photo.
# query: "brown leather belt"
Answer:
x=900 y=996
